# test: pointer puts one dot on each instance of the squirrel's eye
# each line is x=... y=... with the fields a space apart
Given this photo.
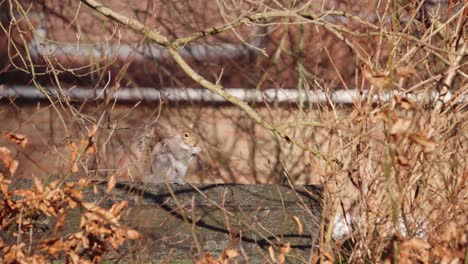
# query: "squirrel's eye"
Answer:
x=186 y=135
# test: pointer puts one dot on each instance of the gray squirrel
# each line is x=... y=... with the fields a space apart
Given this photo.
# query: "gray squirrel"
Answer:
x=172 y=156
x=166 y=153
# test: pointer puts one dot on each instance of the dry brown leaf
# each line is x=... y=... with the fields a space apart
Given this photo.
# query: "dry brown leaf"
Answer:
x=79 y=237
x=412 y=250
x=115 y=241
x=111 y=184
x=86 y=144
x=299 y=224
x=208 y=259
x=415 y=244
x=10 y=163
x=53 y=247
x=379 y=79
x=405 y=71
x=232 y=253
x=97 y=229
x=84 y=182
x=89 y=145
x=38 y=185
x=423 y=140
x=383 y=115
x=16 y=138
x=75 y=259
x=281 y=259
x=133 y=234
x=402 y=160
x=327 y=258
x=356 y=116
x=405 y=102
x=449 y=233
x=284 y=249
x=92 y=132
x=70 y=185
x=4 y=188
x=74 y=155
x=72 y=203
x=271 y=252
x=108 y=216
x=53 y=185
x=117 y=208
x=28 y=194
x=38 y=259
x=228 y=254
x=75 y=194
x=14 y=254
x=50 y=210
x=315 y=258
x=60 y=222
x=400 y=127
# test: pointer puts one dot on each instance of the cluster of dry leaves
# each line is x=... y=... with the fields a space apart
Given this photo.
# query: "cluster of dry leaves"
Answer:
x=86 y=146
x=450 y=247
x=277 y=255
x=23 y=211
x=383 y=80
x=403 y=129
x=224 y=258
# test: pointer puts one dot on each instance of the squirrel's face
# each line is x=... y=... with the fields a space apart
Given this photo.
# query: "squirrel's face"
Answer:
x=189 y=139
x=191 y=142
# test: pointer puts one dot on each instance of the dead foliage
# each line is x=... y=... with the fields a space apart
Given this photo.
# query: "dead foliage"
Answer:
x=226 y=255
x=23 y=211
x=16 y=138
x=449 y=247
x=85 y=147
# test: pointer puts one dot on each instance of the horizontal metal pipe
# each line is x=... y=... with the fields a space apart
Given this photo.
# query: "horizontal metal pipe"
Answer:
x=196 y=95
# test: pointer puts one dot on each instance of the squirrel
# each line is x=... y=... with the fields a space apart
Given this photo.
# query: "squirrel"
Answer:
x=172 y=156
x=165 y=153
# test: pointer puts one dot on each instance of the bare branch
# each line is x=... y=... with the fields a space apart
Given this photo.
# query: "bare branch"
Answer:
x=136 y=25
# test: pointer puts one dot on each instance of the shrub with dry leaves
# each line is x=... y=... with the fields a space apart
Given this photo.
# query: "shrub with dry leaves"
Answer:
x=449 y=247
x=22 y=212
